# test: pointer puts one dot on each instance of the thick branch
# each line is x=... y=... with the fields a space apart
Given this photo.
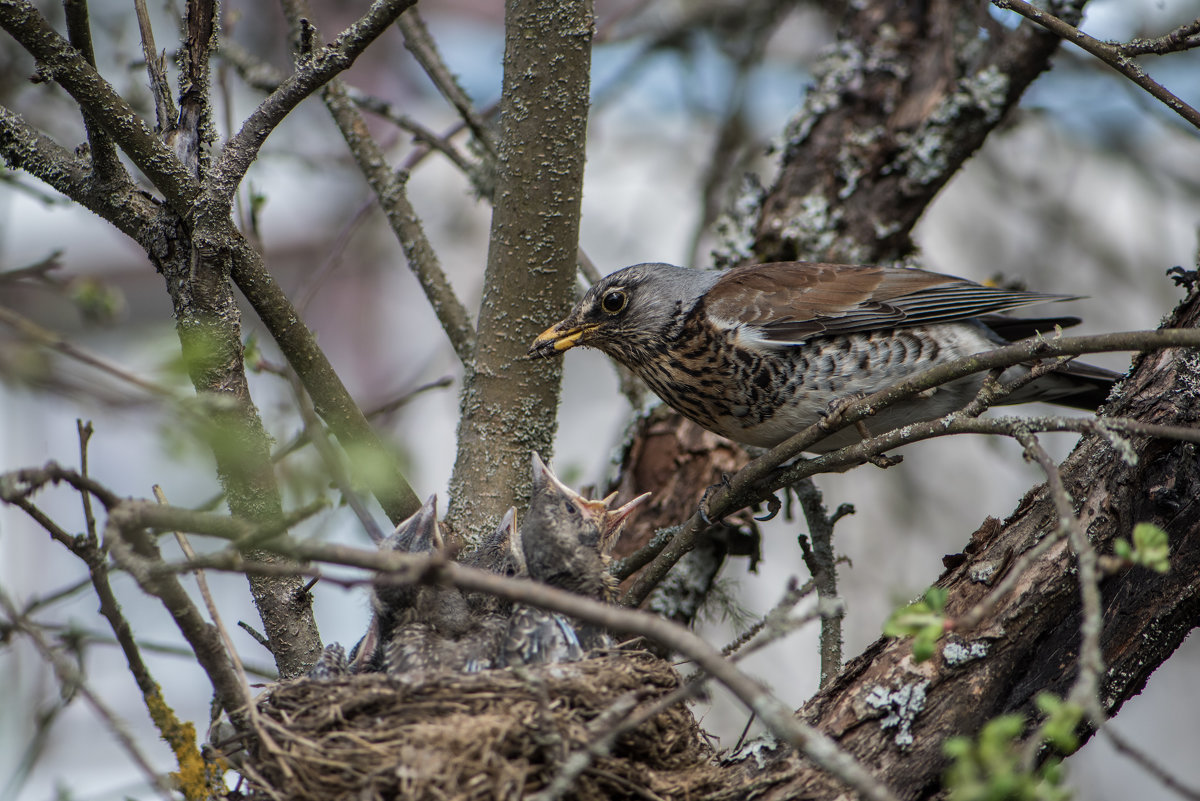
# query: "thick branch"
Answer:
x=909 y=94
x=509 y=402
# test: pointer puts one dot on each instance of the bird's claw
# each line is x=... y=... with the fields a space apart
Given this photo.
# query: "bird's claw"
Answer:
x=702 y=509
x=773 y=507
x=836 y=407
x=883 y=461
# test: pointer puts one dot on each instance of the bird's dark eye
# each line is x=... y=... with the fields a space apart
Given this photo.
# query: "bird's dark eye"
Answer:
x=613 y=301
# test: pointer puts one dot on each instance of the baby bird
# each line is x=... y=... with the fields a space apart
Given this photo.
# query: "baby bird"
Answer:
x=566 y=539
x=393 y=605
x=462 y=631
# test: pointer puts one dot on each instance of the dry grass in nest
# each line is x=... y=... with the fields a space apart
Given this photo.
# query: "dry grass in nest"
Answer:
x=495 y=735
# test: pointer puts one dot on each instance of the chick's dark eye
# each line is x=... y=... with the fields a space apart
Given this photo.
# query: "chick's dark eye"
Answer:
x=613 y=301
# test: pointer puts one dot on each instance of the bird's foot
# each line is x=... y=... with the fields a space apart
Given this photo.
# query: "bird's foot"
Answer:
x=773 y=507
x=1184 y=278
x=880 y=460
x=703 y=506
x=837 y=407
x=883 y=461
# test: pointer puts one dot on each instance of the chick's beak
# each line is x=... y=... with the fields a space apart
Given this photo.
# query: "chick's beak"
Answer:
x=557 y=338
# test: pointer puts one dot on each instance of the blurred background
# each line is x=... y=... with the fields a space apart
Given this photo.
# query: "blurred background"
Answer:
x=1091 y=188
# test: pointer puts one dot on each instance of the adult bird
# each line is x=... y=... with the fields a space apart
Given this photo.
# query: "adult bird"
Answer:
x=760 y=352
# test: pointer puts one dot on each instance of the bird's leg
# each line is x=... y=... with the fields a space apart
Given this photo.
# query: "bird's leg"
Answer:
x=837 y=407
x=880 y=460
x=703 y=506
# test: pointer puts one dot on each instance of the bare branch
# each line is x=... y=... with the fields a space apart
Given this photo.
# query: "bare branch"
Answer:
x=164 y=109
x=315 y=71
x=390 y=189
x=1185 y=37
x=58 y=60
x=104 y=154
x=1163 y=776
x=315 y=433
x=1086 y=691
x=329 y=395
x=116 y=200
x=822 y=564
x=69 y=675
x=1112 y=55
x=418 y=42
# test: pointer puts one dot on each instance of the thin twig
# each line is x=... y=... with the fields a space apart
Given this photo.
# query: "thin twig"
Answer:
x=316 y=70
x=69 y=675
x=1160 y=774
x=105 y=162
x=250 y=707
x=62 y=62
x=132 y=548
x=164 y=108
x=85 y=434
x=1185 y=37
x=822 y=564
x=1110 y=54
x=604 y=730
x=418 y=42
x=333 y=462
x=1086 y=691
x=770 y=621
x=265 y=78
x=48 y=339
x=391 y=190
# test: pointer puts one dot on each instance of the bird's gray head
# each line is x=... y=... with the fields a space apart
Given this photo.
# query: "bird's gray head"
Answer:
x=628 y=311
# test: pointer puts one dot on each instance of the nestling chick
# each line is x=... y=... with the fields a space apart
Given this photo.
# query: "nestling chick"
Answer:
x=565 y=538
x=394 y=604
x=462 y=631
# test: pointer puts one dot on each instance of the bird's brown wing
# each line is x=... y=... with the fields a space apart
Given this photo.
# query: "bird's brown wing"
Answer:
x=794 y=301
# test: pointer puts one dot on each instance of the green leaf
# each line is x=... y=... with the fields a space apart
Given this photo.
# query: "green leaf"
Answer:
x=1150 y=548
x=990 y=767
x=1061 y=723
x=923 y=621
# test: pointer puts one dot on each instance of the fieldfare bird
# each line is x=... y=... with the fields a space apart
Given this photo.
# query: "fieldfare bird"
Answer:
x=436 y=627
x=566 y=539
x=760 y=352
x=332 y=663
x=393 y=604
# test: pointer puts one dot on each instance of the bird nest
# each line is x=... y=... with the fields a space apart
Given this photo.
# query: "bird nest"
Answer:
x=494 y=735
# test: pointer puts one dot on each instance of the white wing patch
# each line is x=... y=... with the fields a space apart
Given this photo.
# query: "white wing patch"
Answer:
x=751 y=336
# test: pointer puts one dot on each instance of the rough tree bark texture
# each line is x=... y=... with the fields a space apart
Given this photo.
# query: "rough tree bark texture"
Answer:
x=509 y=402
x=911 y=91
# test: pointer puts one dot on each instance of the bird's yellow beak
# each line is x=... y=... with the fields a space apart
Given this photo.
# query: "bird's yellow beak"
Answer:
x=557 y=338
